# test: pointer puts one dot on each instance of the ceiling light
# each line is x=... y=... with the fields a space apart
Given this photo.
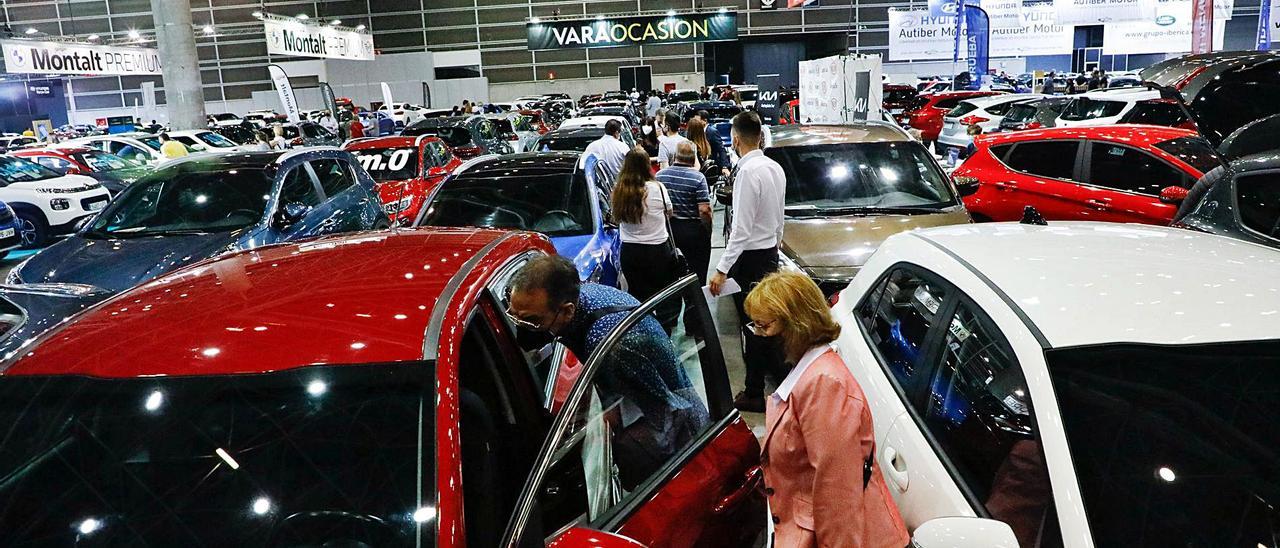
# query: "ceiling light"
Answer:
x=303 y=16
x=335 y=22
x=134 y=34
x=208 y=29
x=671 y=13
x=360 y=26
x=93 y=37
x=535 y=20
x=31 y=30
x=724 y=10
x=257 y=14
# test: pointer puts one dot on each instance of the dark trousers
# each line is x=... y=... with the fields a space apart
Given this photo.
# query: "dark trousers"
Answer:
x=648 y=269
x=694 y=240
x=761 y=355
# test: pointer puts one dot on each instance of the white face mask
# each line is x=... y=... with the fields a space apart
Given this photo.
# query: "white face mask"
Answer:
x=646 y=129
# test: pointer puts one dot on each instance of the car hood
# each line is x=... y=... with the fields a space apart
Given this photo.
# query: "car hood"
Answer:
x=73 y=183
x=126 y=175
x=835 y=247
x=1222 y=91
x=118 y=264
x=43 y=308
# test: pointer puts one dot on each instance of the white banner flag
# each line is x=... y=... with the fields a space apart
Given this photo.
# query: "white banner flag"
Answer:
x=297 y=38
x=285 y=89
x=30 y=57
x=915 y=36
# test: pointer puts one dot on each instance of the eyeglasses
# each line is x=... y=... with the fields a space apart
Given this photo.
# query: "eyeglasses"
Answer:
x=759 y=328
x=522 y=323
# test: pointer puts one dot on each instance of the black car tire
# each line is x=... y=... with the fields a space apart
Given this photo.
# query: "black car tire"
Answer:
x=33 y=229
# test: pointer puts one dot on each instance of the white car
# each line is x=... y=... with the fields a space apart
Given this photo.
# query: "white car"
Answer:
x=403 y=114
x=138 y=146
x=1100 y=108
x=203 y=140
x=1076 y=384
x=262 y=117
x=986 y=112
x=10 y=142
x=226 y=119
x=47 y=203
x=748 y=94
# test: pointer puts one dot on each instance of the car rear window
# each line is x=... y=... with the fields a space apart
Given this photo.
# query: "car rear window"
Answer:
x=1085 y=108
x=917 y=103
x=962 y=109
x=1156 y=113
x=1019 y=114
x=1194 y=151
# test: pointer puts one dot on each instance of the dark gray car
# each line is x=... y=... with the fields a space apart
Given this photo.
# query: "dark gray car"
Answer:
x=1240 y=201
x=477 y=138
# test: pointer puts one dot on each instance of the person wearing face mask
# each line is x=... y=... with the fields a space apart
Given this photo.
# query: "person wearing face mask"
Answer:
x=649 y=138
x=751 y=252
x=818 y=456
x=654 y=409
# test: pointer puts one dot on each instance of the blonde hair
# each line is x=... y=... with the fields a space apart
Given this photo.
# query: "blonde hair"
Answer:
x=793 y=299
x=697 y=134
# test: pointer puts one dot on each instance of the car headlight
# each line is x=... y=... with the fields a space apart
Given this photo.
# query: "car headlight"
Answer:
x=397 y=206
x=59 y=204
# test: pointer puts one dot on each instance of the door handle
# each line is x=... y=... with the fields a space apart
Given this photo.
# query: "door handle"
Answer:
x=750 y=484
x=1099 y=204
x=897 y=469
x=1006 y=185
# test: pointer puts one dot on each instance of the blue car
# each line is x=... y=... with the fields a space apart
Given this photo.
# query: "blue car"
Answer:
x=554 y=193
x=207 y=205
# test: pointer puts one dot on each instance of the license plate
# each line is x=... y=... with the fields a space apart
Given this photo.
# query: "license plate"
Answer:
x=95 y=206
x=7 y=233
x=950 y=125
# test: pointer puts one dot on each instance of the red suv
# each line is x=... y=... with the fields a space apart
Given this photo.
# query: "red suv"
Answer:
x=406 y=169
x=925 y=112
x=369 y=390
x=1120 y=173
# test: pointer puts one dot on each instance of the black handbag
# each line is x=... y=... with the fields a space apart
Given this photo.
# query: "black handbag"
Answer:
x=679 y=263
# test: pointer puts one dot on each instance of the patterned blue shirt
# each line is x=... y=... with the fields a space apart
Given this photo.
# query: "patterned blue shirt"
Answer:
x=687 y=188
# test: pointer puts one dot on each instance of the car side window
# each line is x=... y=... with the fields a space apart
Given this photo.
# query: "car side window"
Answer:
x=1056 y=159
x=1258 y=201
x=1124 y=168
x=486 y=129
x=999 y=151
x=443 y=156
x=334 y=175
x=999 y=109
x=298 y=187
x=898 y=316
x=979 y=414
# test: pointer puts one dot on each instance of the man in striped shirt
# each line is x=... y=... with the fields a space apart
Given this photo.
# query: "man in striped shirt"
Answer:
x=690 y=208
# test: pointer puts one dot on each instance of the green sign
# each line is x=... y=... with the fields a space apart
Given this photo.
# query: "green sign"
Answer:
x=626 y=31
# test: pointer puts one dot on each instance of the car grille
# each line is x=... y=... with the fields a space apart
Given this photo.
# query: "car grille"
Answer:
x=87 y=203
x=71 y=190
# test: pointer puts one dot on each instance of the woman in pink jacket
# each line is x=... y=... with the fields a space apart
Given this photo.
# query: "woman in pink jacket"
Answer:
x=823 y=485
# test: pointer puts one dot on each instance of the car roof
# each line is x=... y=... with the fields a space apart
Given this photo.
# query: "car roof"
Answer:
x=223 y=160
x=56 y=151
x=1084 y=283
x=991 y=100
x=1132 y=134
x=820 y=134
x=1122 y=94
x=520 y=165
x=575 y=131
x=356 y=298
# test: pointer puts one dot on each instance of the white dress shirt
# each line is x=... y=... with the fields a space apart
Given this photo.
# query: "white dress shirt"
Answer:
x=788 y=384
x=759 y=196
x=610 y=151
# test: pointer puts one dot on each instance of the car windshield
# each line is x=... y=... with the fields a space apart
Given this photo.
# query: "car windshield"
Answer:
x=849 y=178
x=1195 y=151
x=99 y=162
x=239 y=134
x=179 y=200
x=1156 y=113
x=1174 y=445
x=575 y=142
x=389 y=164
x=716 y=113
x=18 y=170
x=313 y=456
x=1085 y=108
x=214 y=139
x=553 y=204
x=682 y=96
x=522 y=123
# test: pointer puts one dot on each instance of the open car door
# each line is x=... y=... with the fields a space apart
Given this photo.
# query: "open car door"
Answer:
x=647 y=445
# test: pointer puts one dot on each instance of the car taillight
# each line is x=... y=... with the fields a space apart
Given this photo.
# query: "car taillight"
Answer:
x=1032 y=125
x=467 y=151
x=296 y=141
x=971 y=120
x=834 y=299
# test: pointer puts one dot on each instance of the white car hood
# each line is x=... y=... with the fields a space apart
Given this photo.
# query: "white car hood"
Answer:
x=63 y=183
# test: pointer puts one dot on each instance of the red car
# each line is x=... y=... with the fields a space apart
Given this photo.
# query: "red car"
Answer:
x=113 y=172
x=536 y=120
x=925 y=112
x=897 y=97
x=1120 y=173
x=363 y=390
x=406 y=169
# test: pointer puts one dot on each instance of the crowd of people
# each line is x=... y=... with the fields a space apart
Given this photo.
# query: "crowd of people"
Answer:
x=823 y=484
x=1080 y=84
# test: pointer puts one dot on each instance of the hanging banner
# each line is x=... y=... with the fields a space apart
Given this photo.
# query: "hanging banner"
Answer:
x=1264 y=26
x=285 y=89
x=978 y=43
x=626 y=31
x=1170 y=31
x=1202 y=26
x=303 y=40
x=915 y=36
x=330 y=100
x=29 y=57
x=767 y=99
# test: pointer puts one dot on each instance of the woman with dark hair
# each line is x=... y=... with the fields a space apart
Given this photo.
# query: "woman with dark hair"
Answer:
x=640 y=205
x=696 y=132
x=649 y=137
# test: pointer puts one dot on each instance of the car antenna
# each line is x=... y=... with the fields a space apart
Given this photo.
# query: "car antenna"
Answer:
x=1030 y=216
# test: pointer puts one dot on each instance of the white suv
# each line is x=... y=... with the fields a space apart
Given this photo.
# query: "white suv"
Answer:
x=1077 y=384
x=1100 y=108
x=403 y=114
x=985 y=112
x=46 y=203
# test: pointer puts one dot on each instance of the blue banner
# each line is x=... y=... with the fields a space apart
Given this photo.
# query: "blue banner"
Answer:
x=955 y=51
x=1264 y=26
x=978 y=40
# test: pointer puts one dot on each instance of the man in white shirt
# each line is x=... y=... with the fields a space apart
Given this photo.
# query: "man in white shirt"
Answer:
x=655 y=103
x=751 y=253
x=610 y=151
x=669 y=139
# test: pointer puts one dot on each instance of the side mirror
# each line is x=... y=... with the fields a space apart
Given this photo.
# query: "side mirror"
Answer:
x=290 y=214
x=1173 y=194
x=966 y=186
x=964 y=533
x=581 y=537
